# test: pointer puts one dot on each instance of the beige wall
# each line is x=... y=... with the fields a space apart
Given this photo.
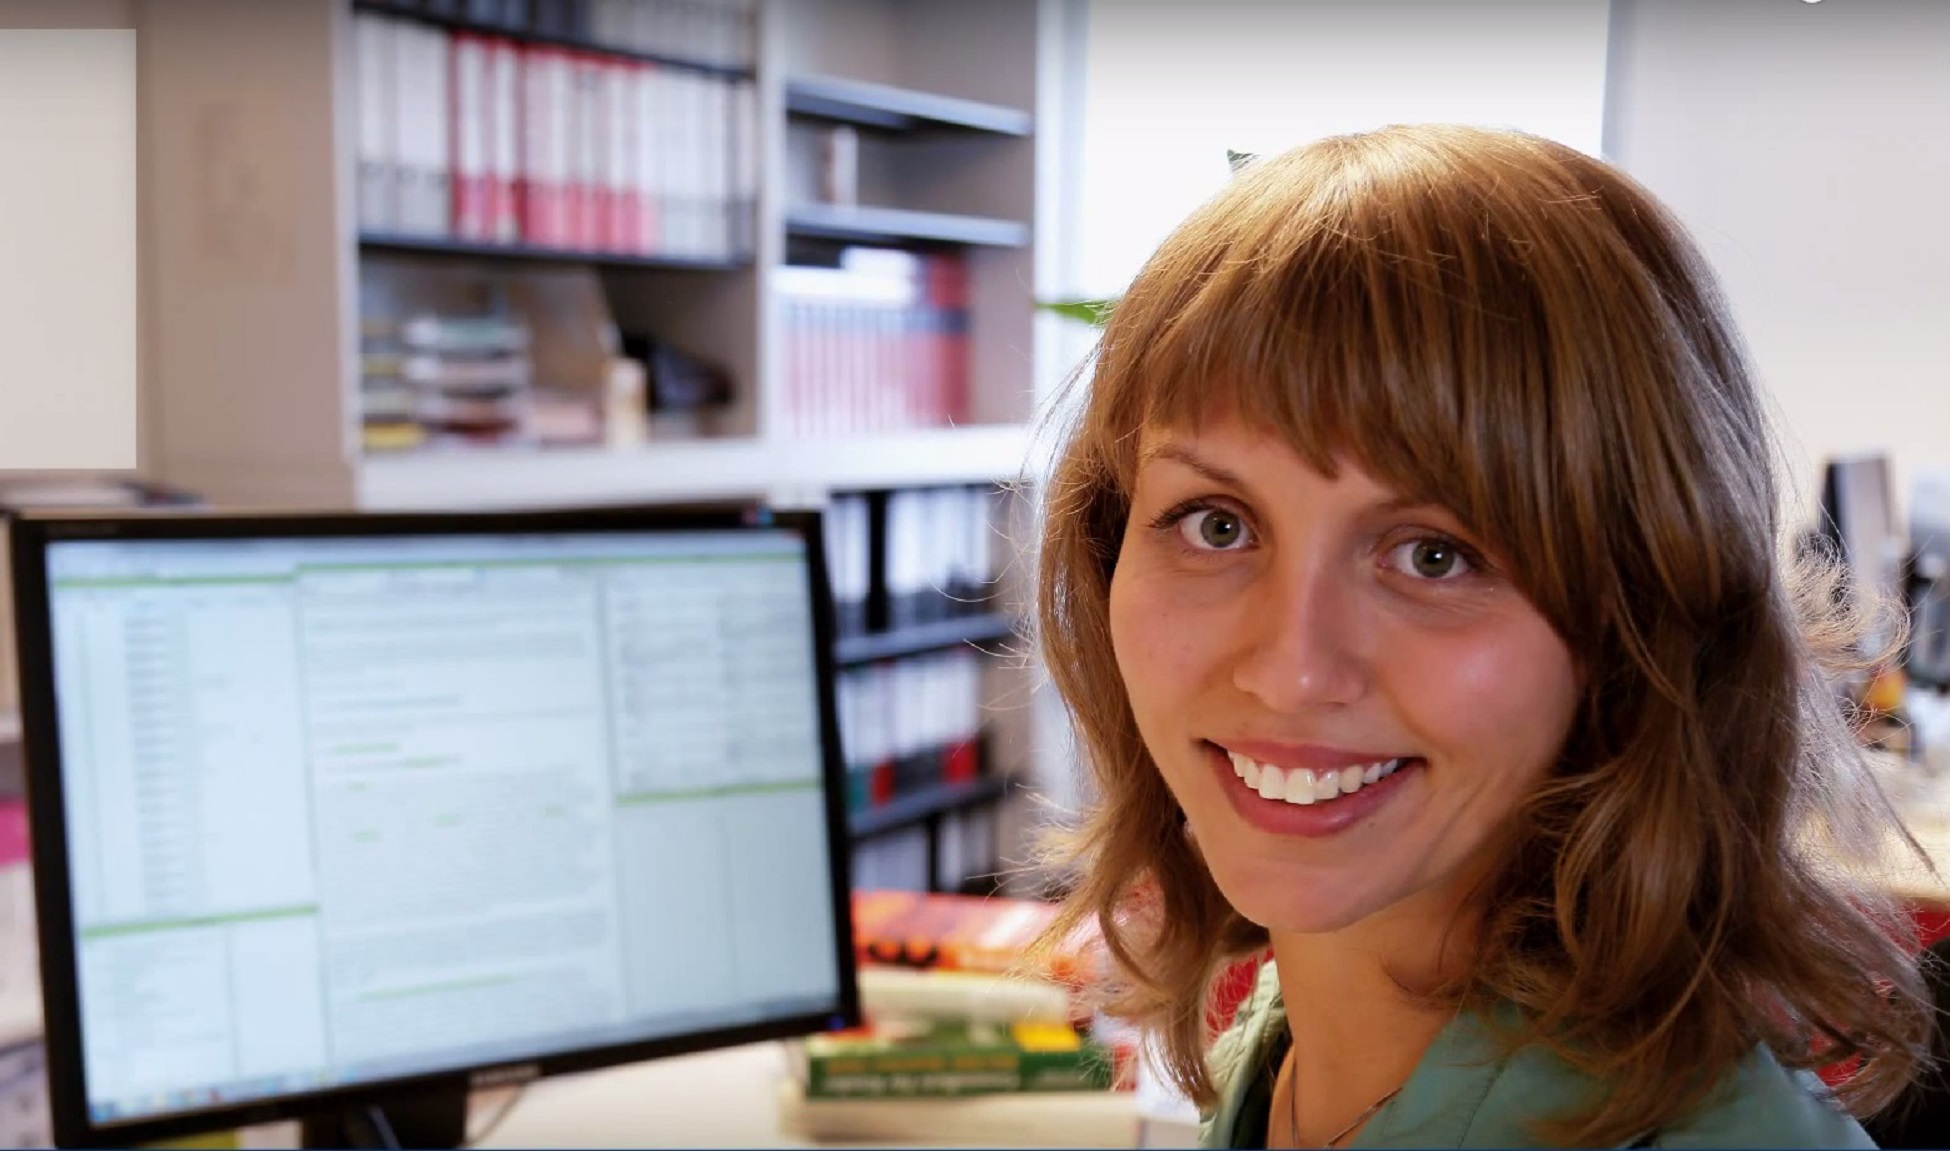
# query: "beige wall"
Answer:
x=1808 y=147
x=67 y=13
x=38 y=14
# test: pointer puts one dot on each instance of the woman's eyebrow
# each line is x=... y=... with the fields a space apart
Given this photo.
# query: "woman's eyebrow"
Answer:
x=1179 y=453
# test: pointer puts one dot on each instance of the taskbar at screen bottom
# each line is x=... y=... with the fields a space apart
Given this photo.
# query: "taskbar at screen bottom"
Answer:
x=181 y=1101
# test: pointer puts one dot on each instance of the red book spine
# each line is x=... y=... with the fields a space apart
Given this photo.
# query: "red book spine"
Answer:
x=538 y=193
x=626 y=175
x=585 y=137
x=504 y=140
x=468 y=136
x=651 y=157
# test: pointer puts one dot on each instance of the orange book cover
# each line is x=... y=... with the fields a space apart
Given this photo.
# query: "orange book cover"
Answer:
x=962 y=932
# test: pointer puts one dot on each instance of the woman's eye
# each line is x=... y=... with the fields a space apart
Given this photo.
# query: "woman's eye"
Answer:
x=1213 y=529
x=1431 y=558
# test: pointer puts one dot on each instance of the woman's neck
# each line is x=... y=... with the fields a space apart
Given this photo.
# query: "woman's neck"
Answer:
x=1361 y=1010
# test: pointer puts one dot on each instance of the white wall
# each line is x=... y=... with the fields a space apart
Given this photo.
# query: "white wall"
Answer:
x=1808 y=148
x=1170 y=85
x=67 y=239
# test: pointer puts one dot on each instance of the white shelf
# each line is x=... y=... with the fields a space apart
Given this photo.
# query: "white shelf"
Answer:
x=868 y=224
x=898 y=109
x=690 y=470
x=975 y=454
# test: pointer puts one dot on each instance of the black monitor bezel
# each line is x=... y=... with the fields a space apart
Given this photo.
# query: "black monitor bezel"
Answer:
x=31 y=533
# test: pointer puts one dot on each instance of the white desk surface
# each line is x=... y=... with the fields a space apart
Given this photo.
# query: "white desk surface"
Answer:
x=726 y=1098
x=723 y=1098
x=1923 y=798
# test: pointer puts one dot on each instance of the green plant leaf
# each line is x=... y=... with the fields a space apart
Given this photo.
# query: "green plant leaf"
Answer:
x=1093 y=312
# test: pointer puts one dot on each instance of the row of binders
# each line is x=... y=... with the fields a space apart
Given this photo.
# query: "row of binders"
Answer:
x=959 y=853
x=912 y=556
x=474 y=137
x=878 y=343
x=714 y=32
x=911 y=724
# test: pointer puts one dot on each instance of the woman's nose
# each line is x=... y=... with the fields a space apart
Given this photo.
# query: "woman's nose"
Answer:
x=1302 y=647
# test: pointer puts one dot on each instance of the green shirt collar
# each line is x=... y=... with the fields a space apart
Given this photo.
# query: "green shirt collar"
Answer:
x=1465 y=1093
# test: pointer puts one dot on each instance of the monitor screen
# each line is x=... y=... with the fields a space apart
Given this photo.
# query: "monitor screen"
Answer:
x=341 y=809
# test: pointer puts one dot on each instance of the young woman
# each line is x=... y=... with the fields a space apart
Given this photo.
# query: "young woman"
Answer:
x=1411 y=574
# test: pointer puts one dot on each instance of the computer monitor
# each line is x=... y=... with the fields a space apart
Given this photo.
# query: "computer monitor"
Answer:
x=1858 y=523
x=1927 y=660
x=336 y=813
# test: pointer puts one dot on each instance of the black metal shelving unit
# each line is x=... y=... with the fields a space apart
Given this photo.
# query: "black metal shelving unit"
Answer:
x=971 y=630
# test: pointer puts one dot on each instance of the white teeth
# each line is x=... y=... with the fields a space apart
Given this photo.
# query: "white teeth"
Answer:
x=1303 y=786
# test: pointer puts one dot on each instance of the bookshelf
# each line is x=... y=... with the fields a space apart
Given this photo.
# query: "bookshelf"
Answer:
x=254 y=257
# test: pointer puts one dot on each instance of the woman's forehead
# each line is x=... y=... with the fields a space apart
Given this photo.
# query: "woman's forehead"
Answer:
x=1234 y=453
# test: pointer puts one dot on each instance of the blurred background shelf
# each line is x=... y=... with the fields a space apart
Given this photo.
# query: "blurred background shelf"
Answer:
x=438 y=246
x=732 y=468
x=929 y=803
x=870 y=225
x=974 y=630
x=898 y=109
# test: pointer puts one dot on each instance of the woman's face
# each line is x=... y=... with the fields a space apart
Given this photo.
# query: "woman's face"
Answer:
x=1286 y=637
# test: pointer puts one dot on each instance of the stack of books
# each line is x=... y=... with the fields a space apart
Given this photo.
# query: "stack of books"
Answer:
x=439 y=379
x=959 y=1038
x=878 y=343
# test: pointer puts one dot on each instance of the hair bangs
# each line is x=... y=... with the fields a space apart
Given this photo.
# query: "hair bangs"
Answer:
x=1393 y=336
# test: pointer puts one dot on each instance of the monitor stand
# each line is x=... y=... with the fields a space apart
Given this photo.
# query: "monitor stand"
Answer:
x=424 y=1119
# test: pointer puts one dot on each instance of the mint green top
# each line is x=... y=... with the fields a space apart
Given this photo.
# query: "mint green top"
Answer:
x=1462 y=1094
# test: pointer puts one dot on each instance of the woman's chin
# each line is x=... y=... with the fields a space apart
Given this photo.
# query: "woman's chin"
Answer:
x=1275 y=904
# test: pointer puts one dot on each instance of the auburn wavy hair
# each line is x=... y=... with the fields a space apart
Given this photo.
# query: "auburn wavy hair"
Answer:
x=1502 y=326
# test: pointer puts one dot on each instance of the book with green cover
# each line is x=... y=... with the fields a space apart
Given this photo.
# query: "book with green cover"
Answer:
x=954 y=1057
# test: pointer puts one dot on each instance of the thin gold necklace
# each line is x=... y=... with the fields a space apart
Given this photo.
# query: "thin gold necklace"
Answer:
x=1293 y=1105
